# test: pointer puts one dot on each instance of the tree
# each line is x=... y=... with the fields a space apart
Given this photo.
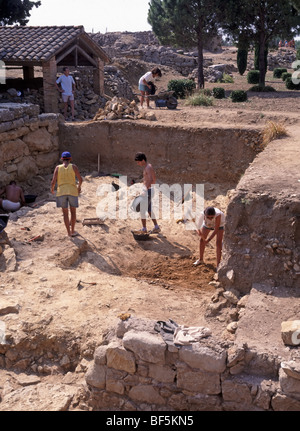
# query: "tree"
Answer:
x=185 y=23
x=260 y=21
x=16 y=11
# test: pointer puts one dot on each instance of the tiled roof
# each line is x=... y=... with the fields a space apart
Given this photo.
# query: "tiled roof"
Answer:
x=36 y=44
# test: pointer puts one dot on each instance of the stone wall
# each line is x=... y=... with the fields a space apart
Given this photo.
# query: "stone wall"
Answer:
x=138 y=369
x=145 y=46
x=28 y=142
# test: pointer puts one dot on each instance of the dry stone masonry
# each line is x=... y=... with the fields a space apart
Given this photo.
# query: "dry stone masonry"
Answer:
x=136 y=369
x=28 y=142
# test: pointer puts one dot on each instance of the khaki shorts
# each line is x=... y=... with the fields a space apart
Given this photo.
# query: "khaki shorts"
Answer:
x=65 y=98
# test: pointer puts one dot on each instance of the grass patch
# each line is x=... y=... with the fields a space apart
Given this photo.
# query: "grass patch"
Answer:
x=199 y=99
x=273 y=130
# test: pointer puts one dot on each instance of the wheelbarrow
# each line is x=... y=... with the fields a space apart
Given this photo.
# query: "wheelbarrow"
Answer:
x=164 y=99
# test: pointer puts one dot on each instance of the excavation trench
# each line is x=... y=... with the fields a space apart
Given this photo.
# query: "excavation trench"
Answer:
x=231 y=165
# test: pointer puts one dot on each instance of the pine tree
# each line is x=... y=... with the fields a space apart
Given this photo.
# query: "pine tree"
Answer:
x=185 y=23
x=16 y=11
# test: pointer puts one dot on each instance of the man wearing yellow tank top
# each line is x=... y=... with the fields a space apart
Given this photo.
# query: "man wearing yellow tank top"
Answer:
x=67 y=190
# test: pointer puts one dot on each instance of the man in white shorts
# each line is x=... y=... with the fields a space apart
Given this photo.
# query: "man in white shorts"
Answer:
x=67 y=89
x=14 y=197
x=211 y=219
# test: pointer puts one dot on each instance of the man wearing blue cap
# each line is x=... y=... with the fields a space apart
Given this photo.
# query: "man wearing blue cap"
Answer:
x=67 y=190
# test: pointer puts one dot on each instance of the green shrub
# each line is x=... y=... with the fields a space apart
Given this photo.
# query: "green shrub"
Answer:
x=253 y=77
x=265 y=89
x=227 y=79
x=286 y=75
x=278 y=71
x=181 y=87
x=199 y=99
x=218 y=92
x=205 y=91
x=298 y=54
x=290 y=85
x=238 y=96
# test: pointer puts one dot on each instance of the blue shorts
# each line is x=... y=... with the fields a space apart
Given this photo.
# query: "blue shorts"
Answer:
x=211 y=228
x=143 y=87
x=65 y=200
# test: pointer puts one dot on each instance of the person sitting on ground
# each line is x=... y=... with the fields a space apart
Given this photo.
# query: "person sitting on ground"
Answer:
x=144 y=85
x=14 y=197
x=211 y=219
x=149 y=178
x=67 y=191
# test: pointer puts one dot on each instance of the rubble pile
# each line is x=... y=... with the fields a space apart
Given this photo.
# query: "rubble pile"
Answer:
x=120 y=108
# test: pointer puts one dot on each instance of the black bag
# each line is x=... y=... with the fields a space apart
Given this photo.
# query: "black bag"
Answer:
x=152 y=89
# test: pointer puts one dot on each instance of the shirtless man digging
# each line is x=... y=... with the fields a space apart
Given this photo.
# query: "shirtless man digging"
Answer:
x=14 y=197
x=149 y=178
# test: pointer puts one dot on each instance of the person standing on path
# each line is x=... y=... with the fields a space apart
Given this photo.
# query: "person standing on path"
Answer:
x=211 y=219
x=67 y=191
x=144 y=85
x=149 y=178
x=67 y=90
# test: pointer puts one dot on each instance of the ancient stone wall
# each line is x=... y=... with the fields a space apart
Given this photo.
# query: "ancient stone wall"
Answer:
x=137 y=368
x=28 y=142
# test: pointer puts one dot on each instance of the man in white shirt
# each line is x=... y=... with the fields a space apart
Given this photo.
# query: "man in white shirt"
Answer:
x=67 y=88
x=210 y=220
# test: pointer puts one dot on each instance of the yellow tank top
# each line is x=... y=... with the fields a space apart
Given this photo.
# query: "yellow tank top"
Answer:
x=66 y=181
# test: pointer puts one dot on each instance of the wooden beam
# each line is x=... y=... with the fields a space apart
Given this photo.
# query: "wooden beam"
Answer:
x=65 y=53
x=86 y=55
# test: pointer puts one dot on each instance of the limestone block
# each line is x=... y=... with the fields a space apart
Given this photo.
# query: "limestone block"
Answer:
x=147 y=394
x=14 y=134
x=47 y=160
x=100 y=355
x=291 y=368
x=289 y=385
x=39 y=140
x=148 y=347
x=10 y=259
x=198 y=381
x=162 y=373
x=96 y=376
x=203 y=357
x=27 y=169
x=234 y=390
x=10 y=150
x=283 y=403
x=290 y=332
x=114 y=381
x=120 y=359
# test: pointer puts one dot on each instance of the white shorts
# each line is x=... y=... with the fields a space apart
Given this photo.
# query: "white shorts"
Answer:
x=10 y=206
x=65 y=97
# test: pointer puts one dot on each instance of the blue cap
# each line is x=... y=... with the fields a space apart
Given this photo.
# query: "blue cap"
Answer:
x=66 y=155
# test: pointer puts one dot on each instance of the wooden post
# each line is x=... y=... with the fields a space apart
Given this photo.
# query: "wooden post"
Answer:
x=28 y=72
x=98 y=73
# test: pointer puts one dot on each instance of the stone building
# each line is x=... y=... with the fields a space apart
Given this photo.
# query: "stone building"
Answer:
x=51 y=47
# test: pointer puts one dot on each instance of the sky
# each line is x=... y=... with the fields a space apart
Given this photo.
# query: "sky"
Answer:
x=95 y=15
